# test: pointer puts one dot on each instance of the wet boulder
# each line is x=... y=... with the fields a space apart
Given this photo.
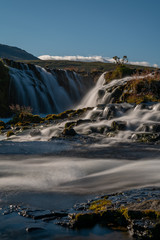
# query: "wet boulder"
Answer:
x=35 y=132
x=149 y=127
x=82 y=121
x=101 y=93
x=69 y=124
x=146 y=137
x=109 y=112
x=118 y=125
x=69 y=132
x=2 y=124
x=10 y=133
x=100 y=129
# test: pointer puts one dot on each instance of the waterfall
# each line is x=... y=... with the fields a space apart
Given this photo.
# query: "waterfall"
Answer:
x=103 y=93
x=52 y=91
x=90 y=100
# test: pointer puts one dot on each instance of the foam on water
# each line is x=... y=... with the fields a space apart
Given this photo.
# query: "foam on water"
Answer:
x=56 y=174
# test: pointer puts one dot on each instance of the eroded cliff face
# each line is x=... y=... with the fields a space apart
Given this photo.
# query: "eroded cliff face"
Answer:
x=4 y=90
x=44 y=90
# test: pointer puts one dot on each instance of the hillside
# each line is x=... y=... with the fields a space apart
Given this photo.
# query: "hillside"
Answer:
x=15 y=53
x=79 y=66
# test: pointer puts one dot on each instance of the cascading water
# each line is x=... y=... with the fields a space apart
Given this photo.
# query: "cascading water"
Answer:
x=44 y=91
x=40 y=166
x=102 y=93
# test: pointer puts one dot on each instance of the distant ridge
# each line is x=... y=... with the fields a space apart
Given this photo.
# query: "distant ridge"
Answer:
x=15 y=53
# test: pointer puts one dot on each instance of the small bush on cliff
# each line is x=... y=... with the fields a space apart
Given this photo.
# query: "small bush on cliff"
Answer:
x=23 y=115
x=120 y=72
x=17 y=109
x=121 y=69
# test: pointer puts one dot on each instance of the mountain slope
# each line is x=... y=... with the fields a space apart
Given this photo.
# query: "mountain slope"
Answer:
x=15 y=53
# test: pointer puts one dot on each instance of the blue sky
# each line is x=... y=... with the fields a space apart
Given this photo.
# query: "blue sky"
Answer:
x=83 y=27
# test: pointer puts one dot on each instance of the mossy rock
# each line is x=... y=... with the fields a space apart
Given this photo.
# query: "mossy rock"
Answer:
x=69 y=124
x=25 y=128
x=10 y=133
x=1 y=129
x=118 y=125
x=24 y=119
x=2 y=124
x=79 y=112
x=100 y=205
x=111 y=134
x=146 y=137
x=30 y=118
x=22 y=124
x=142 y=90
x=69 y=132
x=85 y=219
x=62 y=115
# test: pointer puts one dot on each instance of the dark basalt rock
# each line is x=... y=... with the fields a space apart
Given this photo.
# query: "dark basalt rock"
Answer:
x=146 y=137
x=69 y=124
x=111 y=112
x=101 y=93
x=100 y=129
x=32 y=229
x=137 y=211
x=116 y=94
x=149 y=127
x=81 y=121
x=42 y=214
x=118 y=125
x=35 y=132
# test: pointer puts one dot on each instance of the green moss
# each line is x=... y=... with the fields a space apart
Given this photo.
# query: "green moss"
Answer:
x=62 y=115
x=100 y=205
